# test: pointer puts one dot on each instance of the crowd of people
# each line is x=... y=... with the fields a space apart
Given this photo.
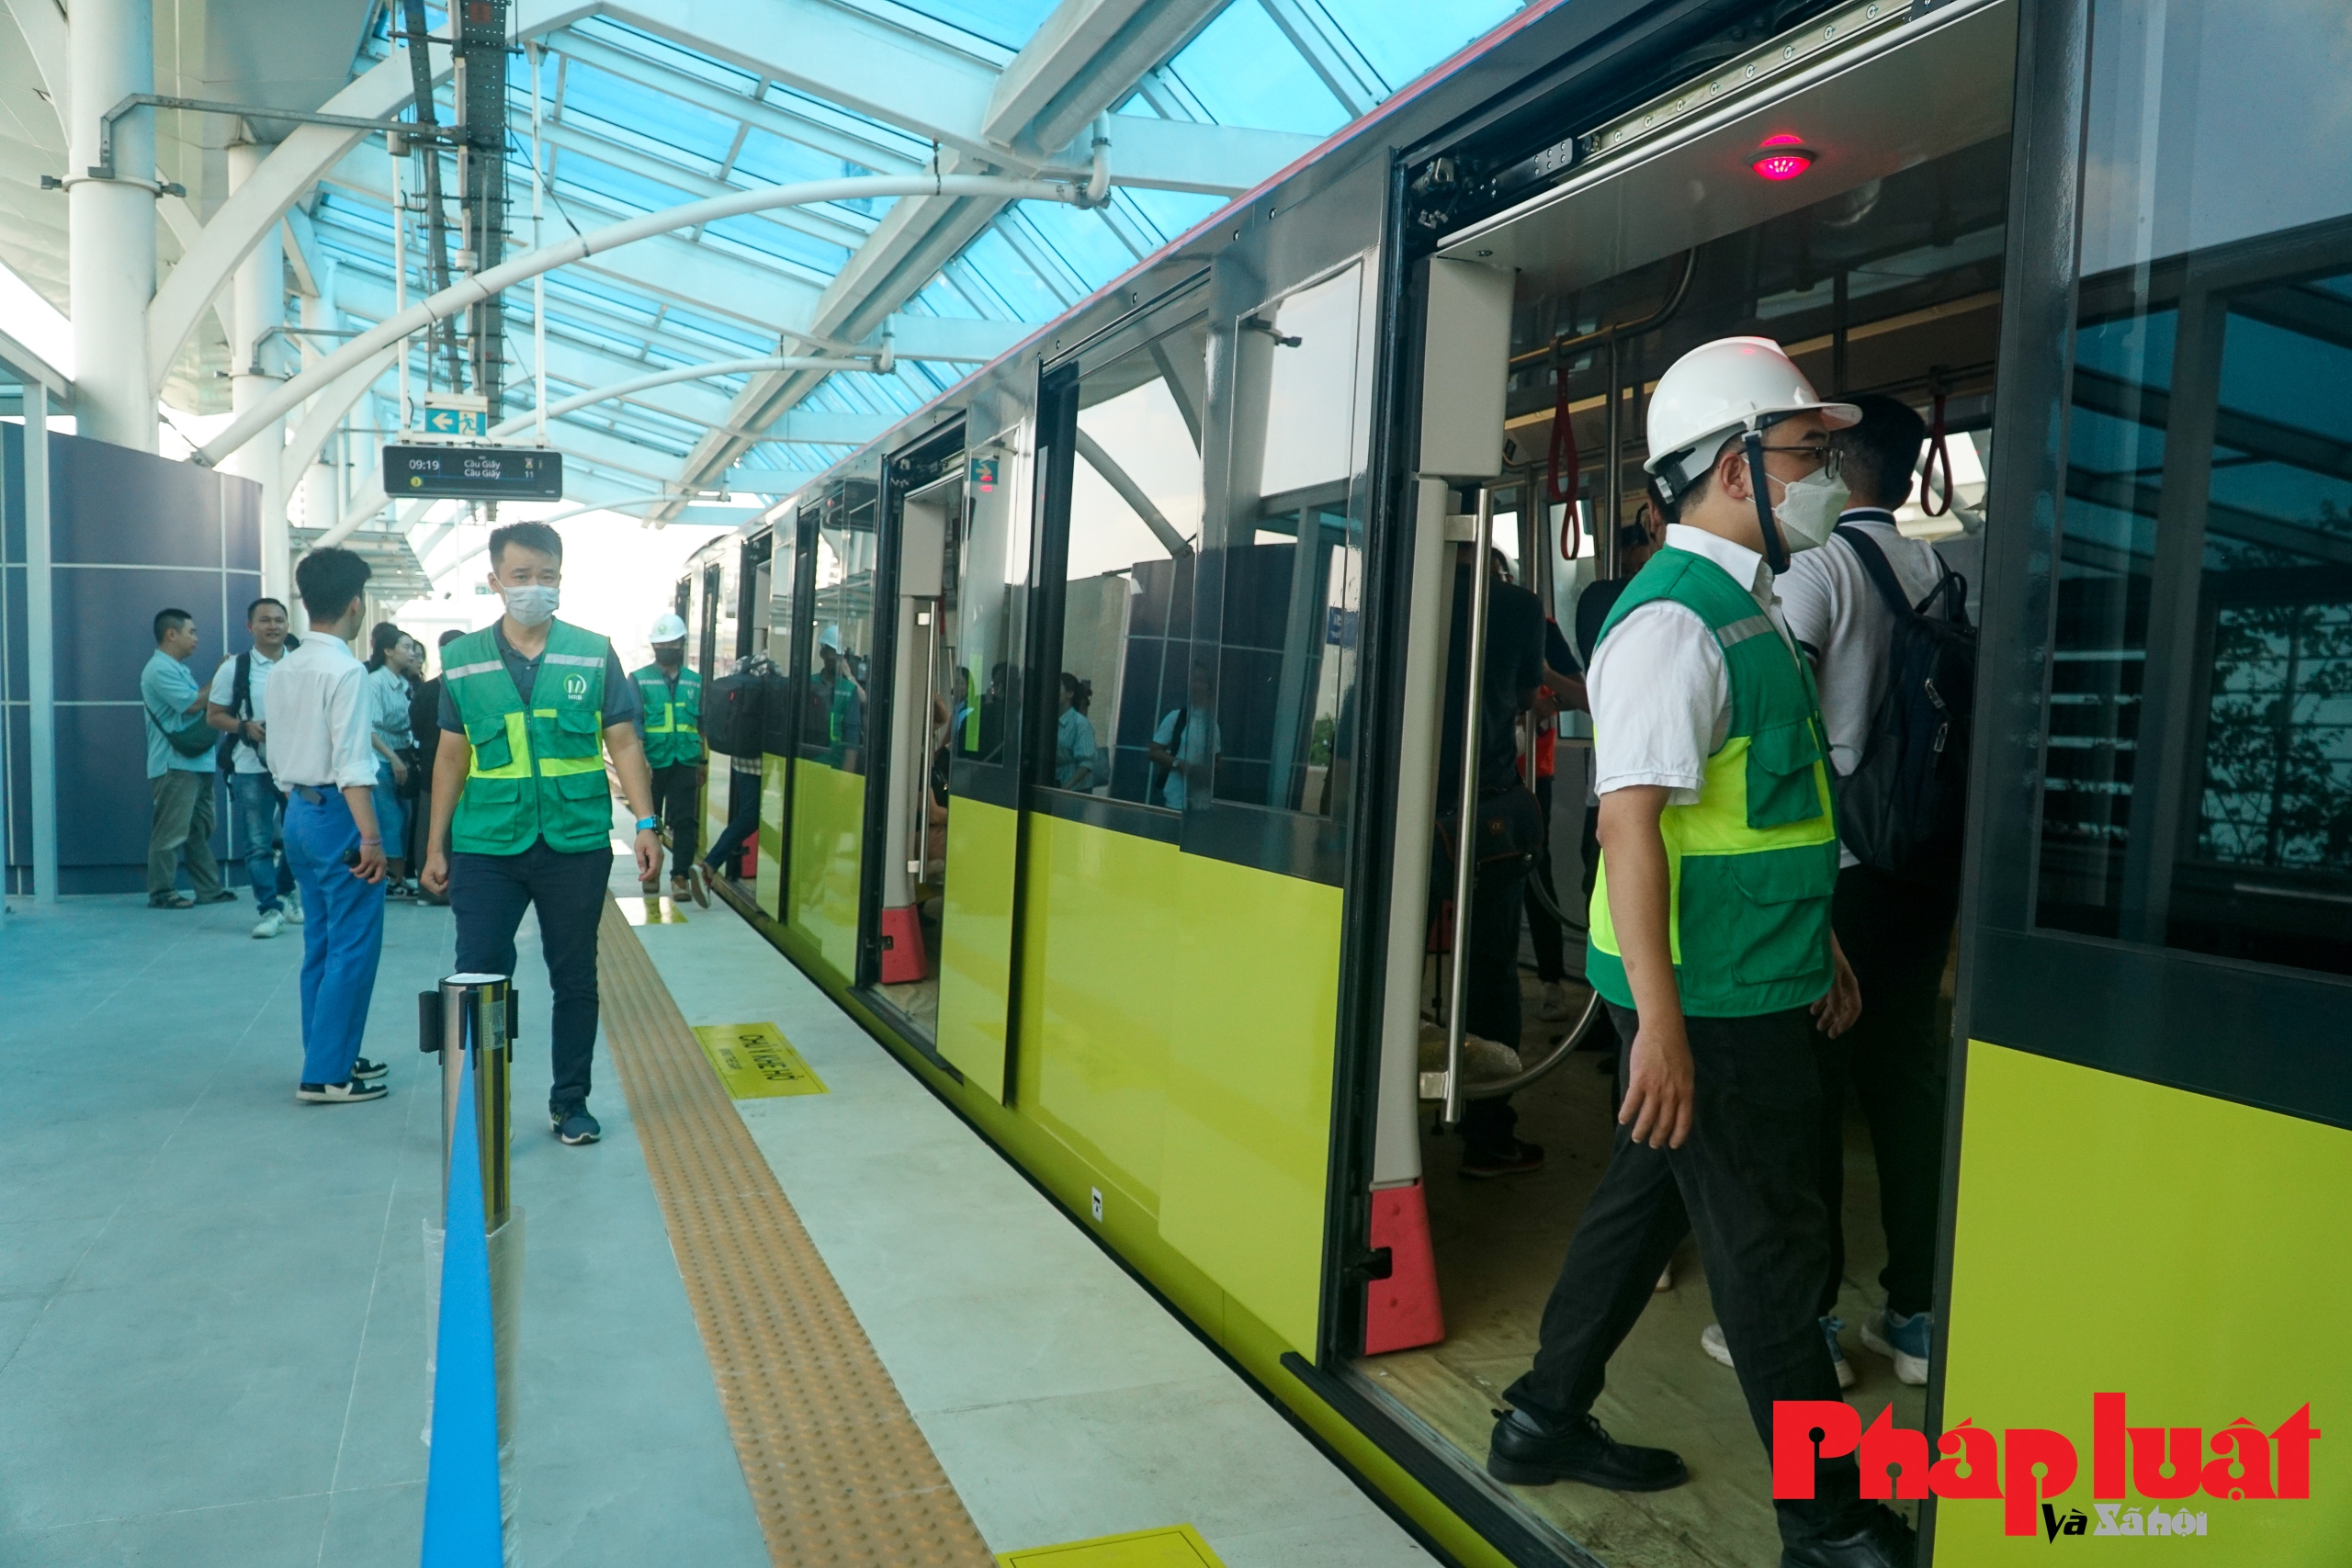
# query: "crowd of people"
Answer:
x=483 y=788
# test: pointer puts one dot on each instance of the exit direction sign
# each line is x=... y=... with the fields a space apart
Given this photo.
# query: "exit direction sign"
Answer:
x=473 y=473
x=457 y=421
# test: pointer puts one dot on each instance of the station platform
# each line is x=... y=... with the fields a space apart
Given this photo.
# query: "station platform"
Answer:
x=825 y=1326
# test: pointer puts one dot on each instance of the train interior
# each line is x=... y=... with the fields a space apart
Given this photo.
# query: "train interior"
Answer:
x=1880 y=268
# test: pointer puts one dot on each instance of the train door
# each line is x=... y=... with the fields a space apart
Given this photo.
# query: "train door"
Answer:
x=830 y=746
x=1876 y=258
x=916 y=699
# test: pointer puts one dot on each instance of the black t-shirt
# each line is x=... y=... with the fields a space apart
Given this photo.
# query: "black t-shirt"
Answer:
x=1514 y=668
x=1592 y=612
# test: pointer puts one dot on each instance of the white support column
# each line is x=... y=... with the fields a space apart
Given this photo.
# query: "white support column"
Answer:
x=255 y=370
x=321 y=505
x=111 y=223
x=41 y=644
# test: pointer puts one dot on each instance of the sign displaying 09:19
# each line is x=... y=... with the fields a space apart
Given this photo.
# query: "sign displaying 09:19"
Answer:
x=473 y=473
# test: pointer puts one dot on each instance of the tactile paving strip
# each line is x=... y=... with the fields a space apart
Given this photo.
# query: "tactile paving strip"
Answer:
x=839 y=1472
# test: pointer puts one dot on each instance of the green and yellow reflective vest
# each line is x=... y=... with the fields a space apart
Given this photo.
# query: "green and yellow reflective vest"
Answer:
x=537 y=772
x=1751 y=866
x=673 y=724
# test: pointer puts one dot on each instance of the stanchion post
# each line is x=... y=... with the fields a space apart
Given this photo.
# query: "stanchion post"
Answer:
x=475 y=1014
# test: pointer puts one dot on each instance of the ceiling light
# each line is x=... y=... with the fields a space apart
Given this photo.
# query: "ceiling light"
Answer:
x=1782 y=157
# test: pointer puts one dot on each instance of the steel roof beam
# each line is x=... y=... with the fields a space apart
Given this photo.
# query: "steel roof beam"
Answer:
x=1329 y=53
x=843 y=228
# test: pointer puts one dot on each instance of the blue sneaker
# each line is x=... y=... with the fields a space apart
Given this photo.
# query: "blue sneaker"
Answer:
x=1904 y=1340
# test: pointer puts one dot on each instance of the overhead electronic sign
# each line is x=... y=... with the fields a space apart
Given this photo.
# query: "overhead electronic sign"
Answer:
x=473 y=473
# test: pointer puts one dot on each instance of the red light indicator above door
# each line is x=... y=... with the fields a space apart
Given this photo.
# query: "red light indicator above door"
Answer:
x=1781 y=157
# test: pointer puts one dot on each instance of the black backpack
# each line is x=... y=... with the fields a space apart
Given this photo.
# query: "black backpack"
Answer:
x=733 y=718
x=241 y=705
x=1903 y=808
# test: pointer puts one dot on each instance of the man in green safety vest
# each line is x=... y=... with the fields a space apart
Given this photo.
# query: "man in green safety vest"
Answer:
x=669 y=721
x=522 y=816
x=1710 y=941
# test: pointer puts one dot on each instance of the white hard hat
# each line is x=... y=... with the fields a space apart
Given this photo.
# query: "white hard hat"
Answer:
x=669 y=628
x=1724 y=388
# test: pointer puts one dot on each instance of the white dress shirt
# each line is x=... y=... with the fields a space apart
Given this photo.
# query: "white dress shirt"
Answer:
x=319 y=717
x=1659 y=691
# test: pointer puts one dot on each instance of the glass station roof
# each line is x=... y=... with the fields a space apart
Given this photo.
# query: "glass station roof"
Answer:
x=635 y=120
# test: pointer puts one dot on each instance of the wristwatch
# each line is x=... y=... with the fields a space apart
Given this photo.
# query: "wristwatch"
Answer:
x=648 y=824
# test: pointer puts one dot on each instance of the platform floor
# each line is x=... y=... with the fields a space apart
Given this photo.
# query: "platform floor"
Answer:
x=212 y=1320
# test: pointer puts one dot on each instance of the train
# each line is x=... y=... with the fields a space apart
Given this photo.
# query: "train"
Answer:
x=1099 y=787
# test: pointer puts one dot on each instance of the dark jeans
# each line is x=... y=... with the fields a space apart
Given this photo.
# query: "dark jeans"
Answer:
x=742 y=821
x=1744 y=1182
x=674 y=792
x=1897 y=936
x=1490 y=1003
x=1551 y=941
x=488 y=894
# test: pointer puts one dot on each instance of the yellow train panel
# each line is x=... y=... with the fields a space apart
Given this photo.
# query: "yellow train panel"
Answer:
x=2115 y=1237
x=828 y=838
x=975 y=940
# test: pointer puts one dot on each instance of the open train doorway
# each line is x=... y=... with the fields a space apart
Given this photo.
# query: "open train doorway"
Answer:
x=1853 y=209
x=907 y=883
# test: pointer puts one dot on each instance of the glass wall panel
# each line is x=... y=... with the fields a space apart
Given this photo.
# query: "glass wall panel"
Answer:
x=985 y=683
x=1135 y=535
x=2197 y=764
x=1291 y=558
x=841 y=630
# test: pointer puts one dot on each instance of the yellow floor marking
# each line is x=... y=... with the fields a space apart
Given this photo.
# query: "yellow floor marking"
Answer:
x=1178 y=1546
x=755 y=1061
x=654 y=911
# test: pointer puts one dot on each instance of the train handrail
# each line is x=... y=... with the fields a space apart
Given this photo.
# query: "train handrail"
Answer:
x=1561 y=1050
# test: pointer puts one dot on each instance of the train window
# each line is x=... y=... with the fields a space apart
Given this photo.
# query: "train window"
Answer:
x=1292 y=556
x=1134 y=542
x=840 y=630
x=985 y=682
x=2198 y=757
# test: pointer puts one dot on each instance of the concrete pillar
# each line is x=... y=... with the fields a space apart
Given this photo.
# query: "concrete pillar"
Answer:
x=40 y=643
x=321 y=505
x=111 y=223
x=257 y=363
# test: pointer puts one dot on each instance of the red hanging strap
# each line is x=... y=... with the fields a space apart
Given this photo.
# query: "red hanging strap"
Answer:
x=1563 y=492
x=1937 y=452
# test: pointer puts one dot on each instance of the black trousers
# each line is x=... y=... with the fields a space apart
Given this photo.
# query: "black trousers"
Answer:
x=488 y=894
x=1551 y=941
x=1490 y=1004
x=1897 y=936
x=1744 y=1183
x=742 y=821
x=674 y=789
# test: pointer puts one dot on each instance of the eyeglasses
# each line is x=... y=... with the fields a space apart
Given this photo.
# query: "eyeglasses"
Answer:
x=1825 y=455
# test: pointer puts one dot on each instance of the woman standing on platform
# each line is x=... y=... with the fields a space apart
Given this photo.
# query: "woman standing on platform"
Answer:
x=388 y=667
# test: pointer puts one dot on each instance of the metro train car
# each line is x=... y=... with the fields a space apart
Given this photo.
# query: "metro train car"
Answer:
x=1099 y=764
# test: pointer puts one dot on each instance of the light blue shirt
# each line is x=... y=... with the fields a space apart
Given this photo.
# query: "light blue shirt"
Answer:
x=166 y=686
x=1074 y=749
x=1201 y=743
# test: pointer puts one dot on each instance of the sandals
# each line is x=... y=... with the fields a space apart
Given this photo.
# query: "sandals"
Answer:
x=171 y=901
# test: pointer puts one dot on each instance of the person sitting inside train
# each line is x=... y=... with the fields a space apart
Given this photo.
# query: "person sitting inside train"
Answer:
x=1711 y=941
x=1074 y=736
x=1185 y=746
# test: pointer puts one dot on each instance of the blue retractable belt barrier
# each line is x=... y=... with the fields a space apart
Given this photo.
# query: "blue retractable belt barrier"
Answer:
x=461 y=1521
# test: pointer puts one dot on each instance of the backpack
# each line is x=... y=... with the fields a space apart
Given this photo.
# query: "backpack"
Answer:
x=733 y=718
x=1902 y=809
x=241 y=705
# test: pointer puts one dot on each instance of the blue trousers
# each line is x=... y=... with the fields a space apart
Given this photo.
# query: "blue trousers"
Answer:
x=256 y=798
x=344 y=937
x=392 y=822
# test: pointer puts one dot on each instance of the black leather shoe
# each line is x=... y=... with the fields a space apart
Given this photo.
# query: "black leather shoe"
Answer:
x=1526 y=1452
x=1876 y=1537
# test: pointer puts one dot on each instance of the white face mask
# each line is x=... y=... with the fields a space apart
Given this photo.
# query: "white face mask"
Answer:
x=533 y=603
x=1808 y=510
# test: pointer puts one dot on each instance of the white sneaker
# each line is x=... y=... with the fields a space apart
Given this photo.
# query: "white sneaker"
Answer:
x=1664 y=1281
x=1711 y=1340
x=1556 y=1005
x=269 y=925
x=292 y=904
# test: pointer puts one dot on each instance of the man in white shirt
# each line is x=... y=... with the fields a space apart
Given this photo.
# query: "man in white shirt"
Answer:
x=1185 y=747
x=235 y=708
x=1710 y=943
x=320 y=756
x=1897 y=933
